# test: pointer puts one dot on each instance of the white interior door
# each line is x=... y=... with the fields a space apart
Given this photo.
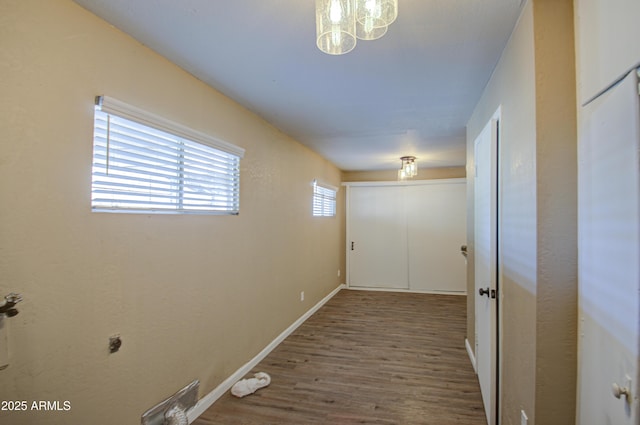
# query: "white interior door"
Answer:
x=607 y=41
x=486 y=255
x=437 y=223
x=609 y=256
x=377 y=244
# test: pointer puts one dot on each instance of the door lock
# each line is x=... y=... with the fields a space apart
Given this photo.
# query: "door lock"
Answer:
x=484 y=291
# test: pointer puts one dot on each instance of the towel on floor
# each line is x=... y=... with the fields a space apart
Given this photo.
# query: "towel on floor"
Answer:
x=249 y=386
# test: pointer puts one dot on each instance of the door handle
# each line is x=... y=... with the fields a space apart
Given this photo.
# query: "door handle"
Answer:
x=483 y=291
x=619 y=392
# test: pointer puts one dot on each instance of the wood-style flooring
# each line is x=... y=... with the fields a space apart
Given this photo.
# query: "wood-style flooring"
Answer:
x=366 y=358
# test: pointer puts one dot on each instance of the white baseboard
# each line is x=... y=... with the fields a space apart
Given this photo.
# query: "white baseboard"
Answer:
x=471 y=356
x=411 y=291
x=205 y=402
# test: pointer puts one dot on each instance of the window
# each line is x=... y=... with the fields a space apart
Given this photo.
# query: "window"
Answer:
x=324 y=200
x=144 y=163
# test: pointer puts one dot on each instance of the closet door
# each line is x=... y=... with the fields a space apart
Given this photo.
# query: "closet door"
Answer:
x=377 y=242
x=436 y=215
x=609 y=257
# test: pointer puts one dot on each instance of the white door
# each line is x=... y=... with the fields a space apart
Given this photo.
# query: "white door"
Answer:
x=486 y=255
x=437 y=223
x=607 y=42
x=377 y=244
x=609 y=256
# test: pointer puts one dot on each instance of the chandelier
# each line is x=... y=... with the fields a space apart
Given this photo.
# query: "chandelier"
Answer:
x=340 y=23
x=409 y=168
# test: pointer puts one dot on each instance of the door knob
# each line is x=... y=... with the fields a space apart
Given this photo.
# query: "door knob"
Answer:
x=483 y=291
x=619 y=392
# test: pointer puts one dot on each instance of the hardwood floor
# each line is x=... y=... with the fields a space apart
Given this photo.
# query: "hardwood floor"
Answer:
x=366 y=358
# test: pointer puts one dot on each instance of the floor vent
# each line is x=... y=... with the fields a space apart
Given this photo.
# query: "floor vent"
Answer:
x=173 y=411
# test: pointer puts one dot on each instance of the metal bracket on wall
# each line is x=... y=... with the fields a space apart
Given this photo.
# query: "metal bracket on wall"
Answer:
x=183 y=400
x=8 y=308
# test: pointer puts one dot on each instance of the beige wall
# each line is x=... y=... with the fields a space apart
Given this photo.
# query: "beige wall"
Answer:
x=534 y=86
x=512 y=86
x=392 y=175
x=193 y=297
x=556 y=156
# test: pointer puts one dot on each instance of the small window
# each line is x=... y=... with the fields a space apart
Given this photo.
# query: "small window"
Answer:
x=144 y=163
x=324 y=200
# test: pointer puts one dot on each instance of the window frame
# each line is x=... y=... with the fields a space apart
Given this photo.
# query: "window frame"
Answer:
x=324 y=194
x=205 y=157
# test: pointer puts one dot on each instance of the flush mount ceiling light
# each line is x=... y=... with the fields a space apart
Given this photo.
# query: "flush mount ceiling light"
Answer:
x=339 y=23
x=409 y=168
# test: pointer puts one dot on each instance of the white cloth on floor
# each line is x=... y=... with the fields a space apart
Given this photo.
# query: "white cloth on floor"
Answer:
x=249 y=386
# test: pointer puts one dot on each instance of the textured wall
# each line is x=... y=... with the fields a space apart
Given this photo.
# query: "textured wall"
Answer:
x=193 y=297
x=556 y=157
x=534 y=85
x=392 y=175
x=512 y=87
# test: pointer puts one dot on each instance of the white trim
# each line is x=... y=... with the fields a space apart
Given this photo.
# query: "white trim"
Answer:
x=324 y=200
x=410 y=291
x=124 y=110
x=472 y=357
x=497 y=115
x=325 y=185
x=347 y=209
x=205 y=402
x=460 y=180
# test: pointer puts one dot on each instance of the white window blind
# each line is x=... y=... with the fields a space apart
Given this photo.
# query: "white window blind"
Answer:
x=145 y=163
x=324 y=200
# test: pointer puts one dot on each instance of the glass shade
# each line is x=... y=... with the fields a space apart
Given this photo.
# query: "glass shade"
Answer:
x=336 y=26
x=369 y=32
x=388 y=11
x=370 y=25
x=409 y=168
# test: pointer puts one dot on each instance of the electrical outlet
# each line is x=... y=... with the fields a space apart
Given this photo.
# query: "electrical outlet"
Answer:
x=524 y=420
x=302 y=296
x=338 y=272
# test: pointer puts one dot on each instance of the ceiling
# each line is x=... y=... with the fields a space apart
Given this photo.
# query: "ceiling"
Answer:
x=409 y=93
